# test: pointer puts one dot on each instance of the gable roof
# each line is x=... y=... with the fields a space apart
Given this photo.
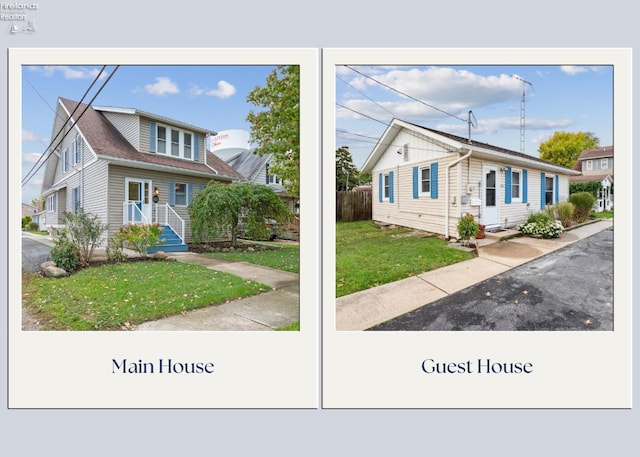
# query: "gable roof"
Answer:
x=457 y=143
x=108 y=143
x=248 y=163
x=596 y=153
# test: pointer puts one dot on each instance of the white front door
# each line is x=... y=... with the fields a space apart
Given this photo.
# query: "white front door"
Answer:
x=490 y=188
x=138 y=198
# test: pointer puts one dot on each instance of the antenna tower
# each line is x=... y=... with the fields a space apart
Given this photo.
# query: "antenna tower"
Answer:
x=522 y=110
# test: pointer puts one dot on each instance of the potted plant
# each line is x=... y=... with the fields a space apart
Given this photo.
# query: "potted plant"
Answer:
x=480 y=232
x=467 y=228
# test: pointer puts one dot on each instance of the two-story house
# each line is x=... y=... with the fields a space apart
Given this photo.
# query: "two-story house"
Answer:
x=597 y=165
x=127 y=166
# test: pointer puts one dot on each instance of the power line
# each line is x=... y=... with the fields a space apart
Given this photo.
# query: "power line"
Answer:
x=44 y=157
x=366 y=96
x=406 y=95
x=39 y=164
x=361 y=114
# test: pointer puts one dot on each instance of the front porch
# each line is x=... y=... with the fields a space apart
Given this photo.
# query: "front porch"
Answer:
x=173 y=226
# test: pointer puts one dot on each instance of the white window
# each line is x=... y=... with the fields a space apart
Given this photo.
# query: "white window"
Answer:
x=65 y=160
x=589 y=164
x=271 y=178
x=548 y=190
x=604 y=163
x=386 y=187
x=174 y=142
x=51 y=203
x=425 y=180
x=75 y=199
x=516 y=184
x=76 y=151
x=181 y=194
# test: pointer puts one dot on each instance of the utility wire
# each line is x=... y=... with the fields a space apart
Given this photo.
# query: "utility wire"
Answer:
x=44 y=157
x=362 y=114
x=406 y=95
x=39 y=164
x=366 y=96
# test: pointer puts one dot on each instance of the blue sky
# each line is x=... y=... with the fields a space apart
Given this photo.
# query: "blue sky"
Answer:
x=212 y=97
x=567 y=98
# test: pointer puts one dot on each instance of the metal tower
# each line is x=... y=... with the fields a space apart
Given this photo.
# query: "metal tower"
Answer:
x=522 y=109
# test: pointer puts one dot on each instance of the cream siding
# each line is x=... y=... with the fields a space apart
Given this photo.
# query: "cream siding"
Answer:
x=421 y=149
x=128 y=125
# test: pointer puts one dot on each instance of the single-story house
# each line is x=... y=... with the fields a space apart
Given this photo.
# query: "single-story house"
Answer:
x=597 y=165
x=427 y=179
x=127 y=166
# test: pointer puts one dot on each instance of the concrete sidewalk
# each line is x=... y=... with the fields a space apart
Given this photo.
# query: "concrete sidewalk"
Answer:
x=365 y=309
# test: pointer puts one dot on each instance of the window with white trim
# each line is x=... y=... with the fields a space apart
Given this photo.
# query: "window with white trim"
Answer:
x=175 y=142
x=589 y=164
x=604 y=163
x=181 y=194
x=385 y=187
x=51 y=203
x=75 y=199
x=64 y=157
x=516 y=186
x=549 y=190
x=425 y=180
x=76 y=150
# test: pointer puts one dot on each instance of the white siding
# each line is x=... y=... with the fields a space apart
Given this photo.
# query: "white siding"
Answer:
x=421 y=149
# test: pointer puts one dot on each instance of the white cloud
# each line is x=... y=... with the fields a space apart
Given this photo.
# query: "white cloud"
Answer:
x=573 y=69
x=31 y=157
x=69 y=72
x=162 y=86
x=28 y=135
x=224 y=90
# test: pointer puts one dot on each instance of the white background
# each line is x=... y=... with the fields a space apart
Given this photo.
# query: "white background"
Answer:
x=328 y=24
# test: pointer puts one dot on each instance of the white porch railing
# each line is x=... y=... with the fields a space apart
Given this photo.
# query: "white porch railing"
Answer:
x=162 y=214
x=132 y=213
x=166 y=215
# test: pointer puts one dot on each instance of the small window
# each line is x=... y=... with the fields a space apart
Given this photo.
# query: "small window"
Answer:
x=75 y=199
x=548 y=190
x=405 y=151
x=181 y=194
x=187 y=145
x=65 y=160
x=604 y=163
x=589 y=164
x=386 y=187
x=162 y=140
x=77 y=150
x=515 y=185
x=175 y=143
x=51 y=203
x=425 y=180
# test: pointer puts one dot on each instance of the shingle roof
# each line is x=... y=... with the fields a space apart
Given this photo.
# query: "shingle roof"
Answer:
x=596 y=153
x=108 y=142
x=248 y=163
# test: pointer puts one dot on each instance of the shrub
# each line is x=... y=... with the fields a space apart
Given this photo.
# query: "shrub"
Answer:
x=593 y=187
x=32 y=226
x=541 y=224
x=140 y=237
x=583 y=202
x=564 y=212
x=25 y=221
x=115 y=250
x=467 y=227
x=64 y=253
x=84 y=231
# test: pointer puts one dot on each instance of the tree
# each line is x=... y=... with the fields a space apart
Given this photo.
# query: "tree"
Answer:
x=347 y=175
x=564 y=148
x=276 y=130
x=220 y=208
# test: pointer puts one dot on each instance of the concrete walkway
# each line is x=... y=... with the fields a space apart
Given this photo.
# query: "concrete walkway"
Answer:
x=365 y=309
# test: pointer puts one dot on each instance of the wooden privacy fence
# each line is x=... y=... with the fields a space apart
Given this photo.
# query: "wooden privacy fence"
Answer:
x=353 y=206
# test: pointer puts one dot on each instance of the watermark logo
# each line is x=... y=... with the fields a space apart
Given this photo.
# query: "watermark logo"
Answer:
x=20 y=16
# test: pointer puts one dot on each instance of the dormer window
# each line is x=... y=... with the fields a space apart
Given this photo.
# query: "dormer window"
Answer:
x=174 y=142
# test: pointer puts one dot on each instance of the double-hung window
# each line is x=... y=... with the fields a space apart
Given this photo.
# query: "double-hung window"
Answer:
x=65 y=159
x=425 y=180
x=162 y=140
x=589 y=164
x=51 y=203
x=174 y=142
x=180 y=194
x=516 y=183
x=75 y=199
x=386 y=187
x=77 y=150
x=187 y=142
x=604 y=163
x=548 y=190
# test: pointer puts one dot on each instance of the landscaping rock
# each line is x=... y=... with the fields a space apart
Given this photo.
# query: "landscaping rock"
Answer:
x=54 y=272
x=48 y=263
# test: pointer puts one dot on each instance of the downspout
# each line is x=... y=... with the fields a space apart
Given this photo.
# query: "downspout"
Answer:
x=446 y=207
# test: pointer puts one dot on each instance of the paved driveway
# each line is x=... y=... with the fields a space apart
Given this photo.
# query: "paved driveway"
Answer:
x=569 y=289
x=34 y=253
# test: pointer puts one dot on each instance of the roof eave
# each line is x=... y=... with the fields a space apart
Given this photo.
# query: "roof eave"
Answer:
x=164 y=168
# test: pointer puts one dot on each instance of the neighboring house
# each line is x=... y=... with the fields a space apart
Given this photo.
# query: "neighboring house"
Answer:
x=128 y=166
x=427 y=179
x=597 y=165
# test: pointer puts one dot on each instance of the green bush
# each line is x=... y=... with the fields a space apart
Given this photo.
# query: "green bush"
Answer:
x=583 y=202
x=140 y=237
x=541 y=224
x=467 y=227
x=564 y=212
x=25 y=221
x=542 y=217
x=32 y=226
x=593 y=187
x=64 y=253
x=84 y=231
x=115 y=250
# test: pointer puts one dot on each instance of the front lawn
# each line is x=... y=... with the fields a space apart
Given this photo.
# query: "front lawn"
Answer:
x=285 y=257
x=119 y=296
x=367 y=256
x=603 y=215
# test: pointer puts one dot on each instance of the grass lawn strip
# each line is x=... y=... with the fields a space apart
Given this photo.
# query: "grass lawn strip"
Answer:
x=119 y=296
x=285 y=258
x=367 y=256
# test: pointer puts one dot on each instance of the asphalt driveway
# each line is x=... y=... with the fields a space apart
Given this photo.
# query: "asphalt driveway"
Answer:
x=34 y=253
x=569 y=289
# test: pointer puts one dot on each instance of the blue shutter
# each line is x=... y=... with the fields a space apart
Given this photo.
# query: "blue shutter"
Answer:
x=525 y=187
x=189 y=194
x=380 y=187
x=542 y=190
x=433 y=170
x=415 y=182
x=152 y=136
x=201 y=187
x=172 y=193
x=507 y=185
x=196 y=148
x=391 y=187
x=557 y=189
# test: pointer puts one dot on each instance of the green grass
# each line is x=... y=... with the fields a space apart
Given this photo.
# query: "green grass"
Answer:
x=367 y=256
x=119 y=296
x=603 y=215
x=286 y=257
x=295 y=327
